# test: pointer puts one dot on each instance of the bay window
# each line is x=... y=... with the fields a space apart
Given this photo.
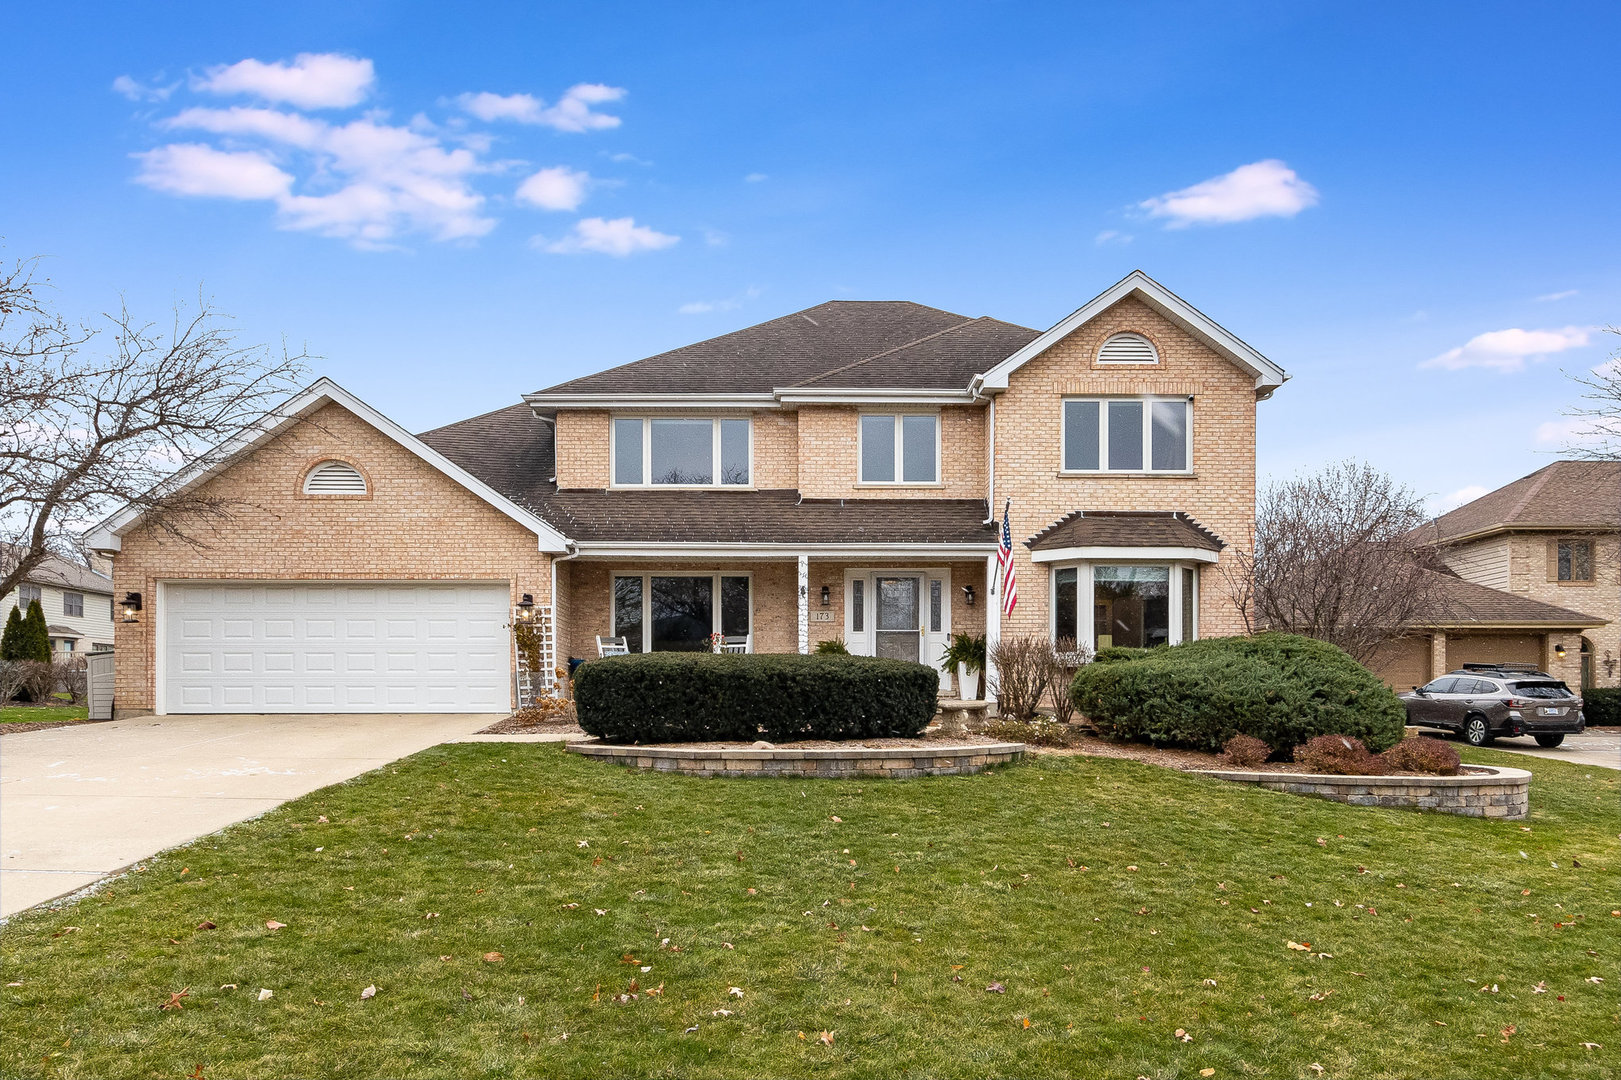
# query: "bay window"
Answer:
x=680 y=451
x=679 y=612
x=1127 y=435
x=900 y=448
x=1128 y=605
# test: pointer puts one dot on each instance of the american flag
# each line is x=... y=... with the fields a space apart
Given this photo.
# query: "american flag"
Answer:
x=1004 y=564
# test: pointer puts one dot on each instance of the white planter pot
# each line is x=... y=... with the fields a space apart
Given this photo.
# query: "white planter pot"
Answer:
x=967 y=683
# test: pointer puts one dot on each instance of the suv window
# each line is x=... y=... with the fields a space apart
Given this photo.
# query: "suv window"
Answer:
x=1541 y=690
x=1440 y=686
x=1481 y=687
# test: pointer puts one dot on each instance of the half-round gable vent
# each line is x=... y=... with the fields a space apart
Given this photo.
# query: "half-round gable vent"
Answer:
x=1128 y=349
x=334 y=478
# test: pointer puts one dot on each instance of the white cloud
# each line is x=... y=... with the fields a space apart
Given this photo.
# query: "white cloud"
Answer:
x=311 y=81
x=574 y=111
x=292 y=128
x=755 y=178
x=198 y=170
x=1261 y=189
x=1507 y=350
x=1463 y=495
x=138 y=91
x=1546 y=298
x=1579 y=431
x=1111 y=236
x=620 y=237
x=731 y=303
x=556 y=188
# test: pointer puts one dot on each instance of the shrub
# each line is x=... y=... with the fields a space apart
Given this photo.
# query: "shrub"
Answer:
x=1341 y=755
x=1280 y=688
x=546 y=710
x=1602 y=706
x=1068 y=658
x=11 y=679
x=698 y=697
x=1024 y=671
x=72 y=676
x=832 y=647
x=1245 y=752
x=1423 y=755
x=11 y=640
x=36 y=679
x=1038 y=732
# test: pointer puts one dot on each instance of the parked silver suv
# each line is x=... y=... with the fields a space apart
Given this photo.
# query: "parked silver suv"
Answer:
x=1482 y=702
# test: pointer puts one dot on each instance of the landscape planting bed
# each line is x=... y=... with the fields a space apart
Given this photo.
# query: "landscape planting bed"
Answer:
x=841 y=761
x=1480 y=791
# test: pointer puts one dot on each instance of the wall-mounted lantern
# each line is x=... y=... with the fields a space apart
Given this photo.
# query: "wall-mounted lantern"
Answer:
x=968 y=595
x=827 y=596
x=526 y=608
x=1559 y=650
x=131 y=606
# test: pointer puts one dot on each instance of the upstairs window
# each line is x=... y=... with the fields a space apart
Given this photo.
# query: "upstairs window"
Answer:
x=1128 y=349
x=334 y=478
x=29 y=594
x=1127 y=435
x=698 y=452
x=1575 y=560
x=73 y=604
x=900 y=448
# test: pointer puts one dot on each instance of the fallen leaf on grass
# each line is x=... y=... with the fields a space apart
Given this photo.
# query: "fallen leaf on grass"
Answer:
x=1298 y=946
x=65 y=931
x=1321 y=995
x=825 y=1038
x=1593 y=1046
x=368 y=993
x=996 y=988
x=443 y=959
x=1316 y=1068
x=431 y=915
x=1183 y=1035
x=272 y=924
x=174 y=999
x=1595 y=978
x=208 y=924
x=1026 y=1021
x=1540 y=988
x=736 y=991
x=229 y=986
x=1207 y=1072
x=721 y=1012
x=493 y=958
x=1508 y=1031
x=266 y=995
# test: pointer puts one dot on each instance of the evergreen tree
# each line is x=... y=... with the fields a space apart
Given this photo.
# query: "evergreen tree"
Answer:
x=39 y=635
x=11 y=642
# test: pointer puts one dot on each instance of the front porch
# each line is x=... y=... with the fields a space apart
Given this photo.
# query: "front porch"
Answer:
x=905 y=607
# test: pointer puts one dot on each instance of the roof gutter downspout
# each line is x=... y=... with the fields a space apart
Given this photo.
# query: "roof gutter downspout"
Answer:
x=990 y=464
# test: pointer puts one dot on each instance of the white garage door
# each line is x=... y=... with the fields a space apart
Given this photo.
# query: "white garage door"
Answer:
x=287 y=647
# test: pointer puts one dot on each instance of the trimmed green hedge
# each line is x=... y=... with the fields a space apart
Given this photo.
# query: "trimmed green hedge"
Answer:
x=704 y=697
x=1602 y=705
x=1281 y=688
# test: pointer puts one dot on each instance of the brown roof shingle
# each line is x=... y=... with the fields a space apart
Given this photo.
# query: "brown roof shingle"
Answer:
x=1125 y=528
x=1460 y=603
x=1563 y=495
x=807 y=346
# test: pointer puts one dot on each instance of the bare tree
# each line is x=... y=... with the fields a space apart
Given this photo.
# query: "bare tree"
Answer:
x=95 y=416
x=1600 y=419
x=1339 y=555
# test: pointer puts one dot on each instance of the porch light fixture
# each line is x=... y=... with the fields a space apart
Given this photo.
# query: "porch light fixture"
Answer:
x=827 y=596
x=968 y=595
x=1559 y=650
x=132 y=604
x=526 y=608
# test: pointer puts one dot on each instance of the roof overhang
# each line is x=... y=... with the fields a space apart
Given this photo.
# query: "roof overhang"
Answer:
x=631 y=402
x=1519 y=527
x=801 y=395
x=107 y=536
x=890 y=552
x=1268 y=376
x=1129 y=554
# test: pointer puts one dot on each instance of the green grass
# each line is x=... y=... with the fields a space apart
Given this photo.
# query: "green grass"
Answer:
x=41 y=714
x=978 y=877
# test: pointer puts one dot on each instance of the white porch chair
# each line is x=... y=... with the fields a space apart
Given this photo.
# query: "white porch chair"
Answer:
x=735 y=644
x=614 y=646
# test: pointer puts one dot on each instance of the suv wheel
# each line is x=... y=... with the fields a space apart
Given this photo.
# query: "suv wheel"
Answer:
x=1475 y=731
x=1550 y=740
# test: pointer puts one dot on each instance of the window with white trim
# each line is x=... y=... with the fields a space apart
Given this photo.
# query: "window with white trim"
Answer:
x=681 y=451
x=1129 y=603
x=73 y=604
x=1140 y=434
x=680 y=612
x=334 y=478
x=900 y=448
x=1127 y=348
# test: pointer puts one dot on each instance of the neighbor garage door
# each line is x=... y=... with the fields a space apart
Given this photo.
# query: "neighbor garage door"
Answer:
x=1404 y=663
x=1493 y=649
x=360 y=647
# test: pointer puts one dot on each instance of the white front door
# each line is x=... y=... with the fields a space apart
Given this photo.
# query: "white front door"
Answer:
x=334 y=647
x=900 y=614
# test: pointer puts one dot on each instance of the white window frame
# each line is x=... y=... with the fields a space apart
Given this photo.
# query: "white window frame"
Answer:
x=1103 y=401
x=647 y=593
x=72 y=614
x=647 y=453
x=900 y=449
x=1085 y=631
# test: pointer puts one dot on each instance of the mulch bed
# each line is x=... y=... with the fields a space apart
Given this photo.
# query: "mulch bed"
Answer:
x=513 y=725
x=18 y=726
x=1185 y=760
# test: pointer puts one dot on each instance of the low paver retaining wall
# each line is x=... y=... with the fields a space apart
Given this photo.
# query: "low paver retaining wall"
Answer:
x=893 y=762
x=1492 y=792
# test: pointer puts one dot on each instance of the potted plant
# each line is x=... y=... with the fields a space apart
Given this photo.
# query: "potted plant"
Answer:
x=966 y=653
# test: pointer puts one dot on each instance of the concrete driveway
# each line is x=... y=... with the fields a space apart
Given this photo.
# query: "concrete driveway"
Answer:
x=1601 y=747
x=78 y=803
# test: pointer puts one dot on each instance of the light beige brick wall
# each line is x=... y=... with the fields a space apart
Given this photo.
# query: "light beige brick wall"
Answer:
x=830 y=468
x=584 y=448
x=1220 y=493
x=776 y=450
x=1529 y=573
x=415 y=524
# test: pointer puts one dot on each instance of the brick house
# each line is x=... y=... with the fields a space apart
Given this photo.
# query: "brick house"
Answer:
x=1535 y=577
x=839 y=472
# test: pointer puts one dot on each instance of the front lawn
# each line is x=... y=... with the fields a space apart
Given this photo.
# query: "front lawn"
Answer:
x=502 y=898
x=41 y=714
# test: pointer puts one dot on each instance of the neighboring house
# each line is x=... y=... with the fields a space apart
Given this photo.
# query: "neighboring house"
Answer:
x=839 y=472
x=1543 y=556
x=77 y=603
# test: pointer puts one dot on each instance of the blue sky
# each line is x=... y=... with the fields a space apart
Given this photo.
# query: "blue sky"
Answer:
x=1411 y=207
